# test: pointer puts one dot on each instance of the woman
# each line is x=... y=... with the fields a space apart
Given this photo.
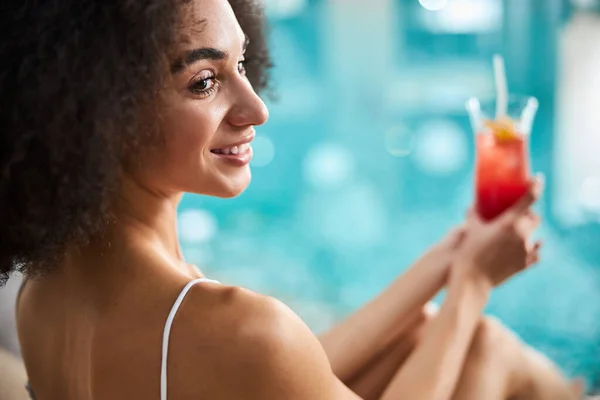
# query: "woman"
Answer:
x=110 y=112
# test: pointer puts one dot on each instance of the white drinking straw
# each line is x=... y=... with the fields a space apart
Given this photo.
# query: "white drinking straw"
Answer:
x=501 y=87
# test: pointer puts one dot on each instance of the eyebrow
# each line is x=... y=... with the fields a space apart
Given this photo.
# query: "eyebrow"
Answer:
x=206 y=53
x=192 y=56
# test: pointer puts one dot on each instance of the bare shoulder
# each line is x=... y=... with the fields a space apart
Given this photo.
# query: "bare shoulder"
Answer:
x=232 y=343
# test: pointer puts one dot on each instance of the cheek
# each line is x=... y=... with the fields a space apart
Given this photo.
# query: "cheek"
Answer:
x=189 y=132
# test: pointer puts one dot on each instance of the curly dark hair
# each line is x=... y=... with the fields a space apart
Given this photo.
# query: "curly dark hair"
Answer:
x=75 y=79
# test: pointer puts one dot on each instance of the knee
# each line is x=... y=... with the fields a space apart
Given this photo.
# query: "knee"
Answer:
x=492 y=339
x=411 y=335
x=428 y=314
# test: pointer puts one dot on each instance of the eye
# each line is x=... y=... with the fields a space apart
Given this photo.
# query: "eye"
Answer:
x=242 y=66
x=204 y=85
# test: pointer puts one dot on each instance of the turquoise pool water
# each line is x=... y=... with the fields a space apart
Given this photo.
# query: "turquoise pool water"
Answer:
x=366 y=161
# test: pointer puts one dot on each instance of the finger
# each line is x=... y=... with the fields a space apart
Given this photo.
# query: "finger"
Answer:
x=534 y=191
x=535 y=248
x=527 y=224
x=533 y=256
x=532 y=259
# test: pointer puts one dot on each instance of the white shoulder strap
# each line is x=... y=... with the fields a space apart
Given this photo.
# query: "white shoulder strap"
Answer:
x=167 y=333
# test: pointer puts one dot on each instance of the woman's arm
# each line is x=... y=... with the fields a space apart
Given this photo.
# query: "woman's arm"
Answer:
x=489 y=255
x=354 y=342
x=433 y=369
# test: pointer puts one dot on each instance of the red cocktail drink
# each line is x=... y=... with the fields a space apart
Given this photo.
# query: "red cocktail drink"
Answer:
x=501 y=174
x=502 y=169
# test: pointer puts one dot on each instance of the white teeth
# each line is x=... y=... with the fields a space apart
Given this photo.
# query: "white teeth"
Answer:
x=235 y=150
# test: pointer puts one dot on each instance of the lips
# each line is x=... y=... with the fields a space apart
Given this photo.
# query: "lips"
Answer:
x=233 y=150
x=237 y=155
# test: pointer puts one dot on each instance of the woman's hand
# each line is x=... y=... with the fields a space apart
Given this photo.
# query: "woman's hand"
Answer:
x=499 y=249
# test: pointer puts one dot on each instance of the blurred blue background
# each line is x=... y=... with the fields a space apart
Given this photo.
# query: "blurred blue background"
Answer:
x=367 y=159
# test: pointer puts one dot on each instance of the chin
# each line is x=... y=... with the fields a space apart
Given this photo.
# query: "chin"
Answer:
x=230 y=193
x=231 y=187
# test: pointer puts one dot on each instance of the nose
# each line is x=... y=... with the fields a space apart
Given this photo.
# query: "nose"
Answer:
x=248 y=108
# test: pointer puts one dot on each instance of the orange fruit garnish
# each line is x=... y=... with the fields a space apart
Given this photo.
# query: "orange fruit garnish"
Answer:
x=503 y=129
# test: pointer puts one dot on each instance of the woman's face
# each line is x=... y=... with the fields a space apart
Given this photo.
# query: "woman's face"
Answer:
x=210 y=113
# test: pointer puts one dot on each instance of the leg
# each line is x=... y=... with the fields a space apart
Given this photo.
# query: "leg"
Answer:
x=547 y=382
x=493 y=368
x=488 y=372
x=372 y=381
x=500 y=367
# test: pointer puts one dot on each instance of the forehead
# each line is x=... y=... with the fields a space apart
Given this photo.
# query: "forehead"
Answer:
x=211 y=23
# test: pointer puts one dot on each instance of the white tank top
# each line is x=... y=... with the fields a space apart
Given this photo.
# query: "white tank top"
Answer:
x=167 y=333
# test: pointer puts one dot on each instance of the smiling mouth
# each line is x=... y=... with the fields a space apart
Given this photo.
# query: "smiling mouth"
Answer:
x=233 y=150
